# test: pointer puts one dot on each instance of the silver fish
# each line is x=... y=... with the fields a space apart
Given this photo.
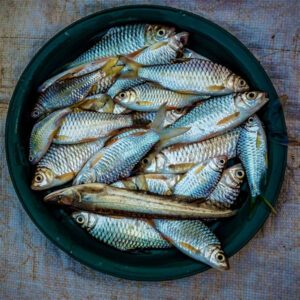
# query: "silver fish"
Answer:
x=227 y=190
x=194 y=239
x=180 y=158
x=119 y=232
x=62 y=162
x=85 y=126
x=42 y=134
x=189 y=75
x=101 y=198
x=161 y=52
x=216 y=116
x=148 y=97
x=124 y=40
x=200 y=181
x=252 y=151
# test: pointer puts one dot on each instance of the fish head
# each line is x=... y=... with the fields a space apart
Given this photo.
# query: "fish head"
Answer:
x=236 y=174
x=236 y=83
x=126 y=97
x=152 y=163
x=66 y=196
x=35 y=155
x=37 y=111
x=85 y=176
x=44 y=178
x=218 y=163
x=252 y=125
x=85 y=219
x=158 y=33
x=179 y=40
x=251 y=101
x=215 y=257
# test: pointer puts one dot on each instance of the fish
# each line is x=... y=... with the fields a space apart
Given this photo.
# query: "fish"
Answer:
x=253 y=153
x=144 y=118
x=189 y=75
x=104 y=199
x=42 y=134
x=85 y=126
x=189 y=53
x=216 y=116
x=125 y=40
x=225 y=194
x=195 y=239
x=118 y=159
x=161 y=52
x=119 y=232
x=148 y=97
x=200 y=181
x=62 y=162
x=160 y=184
x=178 y=159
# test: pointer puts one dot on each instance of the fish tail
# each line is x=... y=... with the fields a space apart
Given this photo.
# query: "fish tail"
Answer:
x=133 y=70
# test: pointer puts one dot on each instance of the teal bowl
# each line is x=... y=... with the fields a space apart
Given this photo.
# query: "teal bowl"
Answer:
x=211 y=41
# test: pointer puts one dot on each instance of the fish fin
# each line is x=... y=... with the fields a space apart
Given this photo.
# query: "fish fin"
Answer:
x=215 y=88
x=158 y=122
x=135 y=53
x=144 y=103
x=229 y=118
x=258 y=140
x=158 y=45
x=110 y=64
x=142 y=183
x=268 y=203
x=189 y=247
x=155 y=176
x=199 y=169
x=133 y=71
x=96 y=158
x=181 y=168
x=114 y=71
x=167 y=134
x=66 y=177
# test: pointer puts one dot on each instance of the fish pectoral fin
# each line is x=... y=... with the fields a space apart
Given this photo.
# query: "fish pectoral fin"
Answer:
x=215 y=88
x=181 y=168
x=199 y=169
x=229 y=118
x=189 y=247
x=96 y=158
x=258 y=140
x=158 y=45
x=144 y=103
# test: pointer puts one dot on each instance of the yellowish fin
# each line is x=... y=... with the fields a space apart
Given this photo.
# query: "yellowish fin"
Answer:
x=144 y=103
x=228 y=118
x=181 y=168
x=133 y=68
x=216 y=88
x=199 y=169
x=188 y=247
x=96 y=158
x=258 y=140
x=110 y=63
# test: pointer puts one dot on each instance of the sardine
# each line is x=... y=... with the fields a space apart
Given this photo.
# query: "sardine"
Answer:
x=85 y=126
x=62 y=162
x=101 y=198
x=124 y=40
x=180 y=158
x=194 y=239
x=227 y=190
x=148 y=97
x=43 y=132
x=200 y=181
x=189 y=75
x=120 y=232
x=216 y=116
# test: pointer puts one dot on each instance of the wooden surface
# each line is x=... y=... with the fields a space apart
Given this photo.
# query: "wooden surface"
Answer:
x=31 y=267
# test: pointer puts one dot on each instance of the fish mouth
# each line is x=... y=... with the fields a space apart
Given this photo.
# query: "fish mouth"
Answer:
x=182 y=37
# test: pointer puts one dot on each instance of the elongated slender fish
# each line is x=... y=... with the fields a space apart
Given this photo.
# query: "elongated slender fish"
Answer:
x=124 y=40
x=216 y=116
x=101 y=198
x=161 y=184
x=200 y=181
x=161 y=52
x=62 y=162
x=119 y=158
x=144 y=118
x=189 y=75
x=119 y=232
x=42 y=134
x=194 y=239
x=148 y=97
x=252 y=151
x=227 y=190
x=84 y=126
x=180 y=158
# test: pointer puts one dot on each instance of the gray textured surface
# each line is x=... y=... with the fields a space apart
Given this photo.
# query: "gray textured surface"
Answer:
x=267 y=268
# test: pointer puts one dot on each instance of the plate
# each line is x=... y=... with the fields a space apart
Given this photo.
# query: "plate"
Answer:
x=209 y=40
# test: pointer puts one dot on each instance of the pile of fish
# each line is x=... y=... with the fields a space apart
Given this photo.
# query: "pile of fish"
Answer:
x=143 y=128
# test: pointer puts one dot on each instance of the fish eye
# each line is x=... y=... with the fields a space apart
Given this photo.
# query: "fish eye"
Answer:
x=145 y=161
x=242 y=82
x=122 y=95
x=38 y=178
x=251 y=119
x=222 y=161
x=35 y=113
x=30 y=158
x=161 y=32
x=179 y=110
x=240 y=174
x=220 y=257
x=80 y=219
x=251 y=95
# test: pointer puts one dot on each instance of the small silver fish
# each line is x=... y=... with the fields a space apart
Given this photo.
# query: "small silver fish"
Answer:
x=216 y=116
x=200 y=181
x=119 y=232
x=42 y=134
x=194 y=239
x=252 y=151
x=62 y=162
x=179 y=159
x=85 y=126
x=227 y=190
x=124 y=40
x=101 y=198
x=148 y=97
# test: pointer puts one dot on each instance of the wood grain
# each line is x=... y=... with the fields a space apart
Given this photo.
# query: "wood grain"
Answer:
x=266 y=268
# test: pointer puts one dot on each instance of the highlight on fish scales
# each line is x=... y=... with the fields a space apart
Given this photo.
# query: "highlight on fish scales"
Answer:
x=140 y=128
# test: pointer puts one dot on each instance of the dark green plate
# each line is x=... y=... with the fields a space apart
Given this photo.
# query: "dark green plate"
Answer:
x=207 y=38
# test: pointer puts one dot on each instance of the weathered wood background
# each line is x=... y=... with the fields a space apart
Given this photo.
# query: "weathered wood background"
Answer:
x=267 y=268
